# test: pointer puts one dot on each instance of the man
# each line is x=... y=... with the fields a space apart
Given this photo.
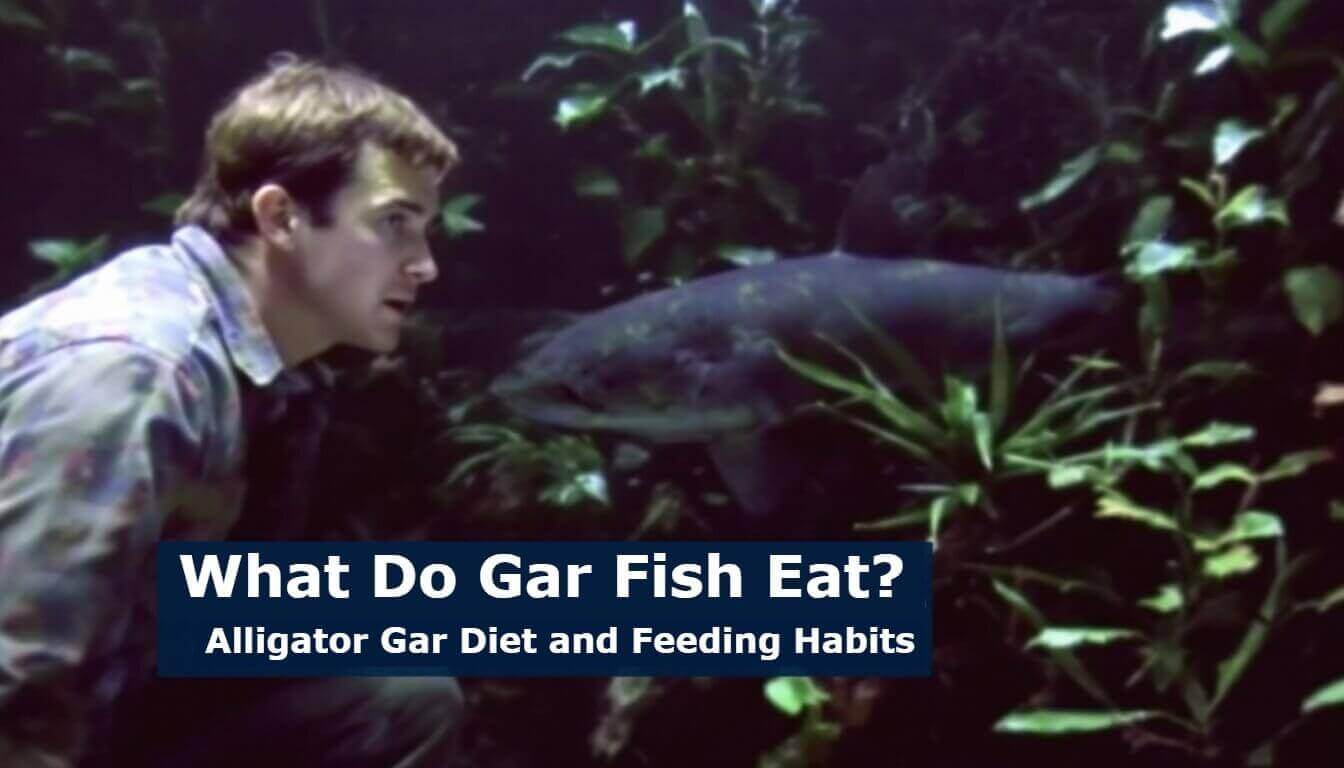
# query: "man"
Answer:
x=125 y=402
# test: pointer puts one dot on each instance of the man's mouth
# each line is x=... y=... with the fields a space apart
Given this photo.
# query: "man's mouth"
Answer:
x=399 y=305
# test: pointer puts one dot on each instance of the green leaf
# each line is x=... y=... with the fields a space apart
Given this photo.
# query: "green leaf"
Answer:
x=640 y=229
x=1249 y=207
x=554 y=61
x=69 y=255
x=1167 y=600
x=616 y=37
x=1054 y=722
x=792 y=695
x=1072 y=637
x=1233 y=562
x=1225 y=473
x=1151 y=222
x=674 y=77
x=1247 y=51
x=1331 y=695
x=1279 y=19
x=1245 y=527
x=1201 y=190
x=1317 y=296
x=1231 y=669
x=1295 y=464
x=13 y=15
x=1214 y=60
x=596 y=182
x=697 y=30
x=582 y=106
x=1183 y=18
x=1063 y=658
x=1070 y=173
x=1218 y=433
x=1157 y=258
x=1231 y=138
x=82 y=60
x=454 y=216
x=1219 y=371
x=746 y=255
x=1114 y=505
x=164 y=205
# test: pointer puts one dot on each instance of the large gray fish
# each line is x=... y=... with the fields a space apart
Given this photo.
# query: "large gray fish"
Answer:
x=697 y=363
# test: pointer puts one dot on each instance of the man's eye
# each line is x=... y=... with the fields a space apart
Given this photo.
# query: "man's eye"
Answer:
x=396 y=221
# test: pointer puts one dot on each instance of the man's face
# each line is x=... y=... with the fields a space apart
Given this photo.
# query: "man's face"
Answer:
x=357 y=277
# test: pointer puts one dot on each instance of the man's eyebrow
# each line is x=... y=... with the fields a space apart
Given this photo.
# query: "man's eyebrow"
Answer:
x=403 y=203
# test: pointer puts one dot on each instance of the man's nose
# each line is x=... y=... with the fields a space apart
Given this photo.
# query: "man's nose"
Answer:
x=423 y=269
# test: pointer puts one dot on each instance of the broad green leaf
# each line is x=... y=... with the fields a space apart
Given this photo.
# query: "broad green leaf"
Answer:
x=1331 y=695
x=1073 y=637
x=454 y=216
x=1317 y=296
x=1055 y=722
x=1157 y=258
x=1249 y=207
x=164 y=205
x=554 y=61
x=13 y=15
x=1167 y=600
x=1117 y=506
x=1224 y=473
x=1151 y=222
x=616 y=37
x=580 y=107
x=1249 y=525
x=1183 y=18
x=1233 y=562
x=640 y=229
x=1218 y=433
x=1279 y=19
x=746 y=255
x=596 y=182
x=674 y=77
x=1070 y=173
x=1214 y=60
x=1231 y=138
x=792 y=695
x=582 y=487
x=728 y=44
x=1295 y=464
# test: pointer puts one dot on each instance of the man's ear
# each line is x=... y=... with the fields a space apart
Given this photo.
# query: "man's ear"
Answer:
x=276 y=215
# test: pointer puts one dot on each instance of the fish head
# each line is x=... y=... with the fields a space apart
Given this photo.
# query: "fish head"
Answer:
x=641 y=390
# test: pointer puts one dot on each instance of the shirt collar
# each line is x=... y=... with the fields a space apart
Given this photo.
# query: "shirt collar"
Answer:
x=249 y=345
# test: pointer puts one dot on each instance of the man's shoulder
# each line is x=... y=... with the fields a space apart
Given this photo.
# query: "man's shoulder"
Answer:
x=147 y=296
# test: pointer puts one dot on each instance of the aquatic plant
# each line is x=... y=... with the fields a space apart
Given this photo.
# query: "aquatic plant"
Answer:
x=690 y=188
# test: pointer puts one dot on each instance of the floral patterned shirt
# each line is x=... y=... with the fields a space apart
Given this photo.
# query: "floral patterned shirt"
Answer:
x=121 y=423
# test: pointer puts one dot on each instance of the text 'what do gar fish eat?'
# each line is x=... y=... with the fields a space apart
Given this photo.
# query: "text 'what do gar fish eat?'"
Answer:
x=506 y=576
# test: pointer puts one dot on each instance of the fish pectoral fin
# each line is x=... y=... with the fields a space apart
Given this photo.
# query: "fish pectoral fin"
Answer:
x=758 y=468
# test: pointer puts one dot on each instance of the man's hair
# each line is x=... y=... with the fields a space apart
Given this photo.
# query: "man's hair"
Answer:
x=300 y=125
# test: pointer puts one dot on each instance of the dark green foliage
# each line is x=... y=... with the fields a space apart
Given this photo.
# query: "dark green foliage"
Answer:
x=1137 y=556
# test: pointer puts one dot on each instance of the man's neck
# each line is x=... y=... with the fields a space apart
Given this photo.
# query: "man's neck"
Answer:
x=292 y=329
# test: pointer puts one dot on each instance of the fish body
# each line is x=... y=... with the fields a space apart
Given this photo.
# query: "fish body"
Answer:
x=698 y=363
